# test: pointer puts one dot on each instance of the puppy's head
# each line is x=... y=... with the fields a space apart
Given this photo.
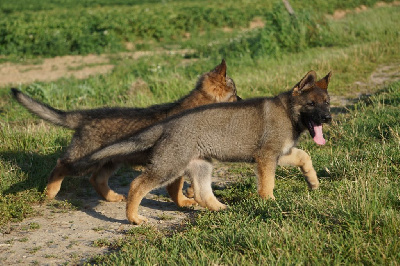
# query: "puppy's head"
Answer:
x=312 y=104
x=218 y=86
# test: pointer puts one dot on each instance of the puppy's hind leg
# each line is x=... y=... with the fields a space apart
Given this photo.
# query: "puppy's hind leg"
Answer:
x=200 y=172
x=56 y=177
x=99 y=181
x=139 y=187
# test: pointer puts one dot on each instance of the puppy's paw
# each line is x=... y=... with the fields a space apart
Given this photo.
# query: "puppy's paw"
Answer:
x=187 y=203
x=313 y=186
x=137 y=219
x=115 y=197
x=267 y=196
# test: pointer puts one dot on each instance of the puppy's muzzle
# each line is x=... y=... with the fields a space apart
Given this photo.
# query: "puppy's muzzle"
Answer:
x=326 y=118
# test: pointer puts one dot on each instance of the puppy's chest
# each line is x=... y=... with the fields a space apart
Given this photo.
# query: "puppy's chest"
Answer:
x=288 y=144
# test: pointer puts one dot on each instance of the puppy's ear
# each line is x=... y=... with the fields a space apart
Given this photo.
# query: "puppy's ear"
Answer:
x=323 y=83
x=305 y=83
x=221 y=69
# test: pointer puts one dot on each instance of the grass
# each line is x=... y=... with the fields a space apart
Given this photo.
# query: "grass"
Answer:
x=69 y=27
x=352 y=219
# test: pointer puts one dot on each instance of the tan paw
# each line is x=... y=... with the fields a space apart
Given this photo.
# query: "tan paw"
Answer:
x=50 y=195
x=267 y=196
x=214 y=205
x=116 y=198
x=219 y=207
x=139 y=219
x=313 y=186
x=187 y=203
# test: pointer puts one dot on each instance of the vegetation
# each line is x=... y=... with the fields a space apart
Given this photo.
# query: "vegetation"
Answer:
x=352 y=219
x=51 y=28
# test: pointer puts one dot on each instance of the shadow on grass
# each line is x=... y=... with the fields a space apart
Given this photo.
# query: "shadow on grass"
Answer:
x=77 y=191
x=35 y=167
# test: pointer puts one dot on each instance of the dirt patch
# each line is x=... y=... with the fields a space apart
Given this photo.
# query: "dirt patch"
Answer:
x=54 y=68
x=383 y=75
x=80 y=67
x=257 y=23
x=339 y=14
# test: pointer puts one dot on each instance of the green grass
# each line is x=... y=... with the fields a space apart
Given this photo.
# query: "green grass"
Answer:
x=352 y=219
x=51 y=28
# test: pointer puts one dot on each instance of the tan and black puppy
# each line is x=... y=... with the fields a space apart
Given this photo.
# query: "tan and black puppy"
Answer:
x=263 y=129
x=97 y=128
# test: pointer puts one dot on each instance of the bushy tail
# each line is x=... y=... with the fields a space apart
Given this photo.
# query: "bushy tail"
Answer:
x=140 y=142
x=44 y=111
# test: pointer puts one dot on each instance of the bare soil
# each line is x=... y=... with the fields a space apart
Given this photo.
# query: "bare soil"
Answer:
x=80 y=67
x=382 y=76
x=339 y=14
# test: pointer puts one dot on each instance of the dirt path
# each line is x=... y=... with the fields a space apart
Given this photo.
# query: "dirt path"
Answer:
x=77 y=66
x=383 y=74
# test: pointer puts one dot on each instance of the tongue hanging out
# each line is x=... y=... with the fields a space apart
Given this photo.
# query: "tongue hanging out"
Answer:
x=318 y=138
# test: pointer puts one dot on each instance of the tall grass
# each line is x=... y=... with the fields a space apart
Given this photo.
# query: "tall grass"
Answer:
x=284 y=33
x=69 y=27
x=105 y=29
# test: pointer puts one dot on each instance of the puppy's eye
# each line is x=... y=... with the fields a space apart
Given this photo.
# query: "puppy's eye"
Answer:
x=327 y=103
x=311 y=103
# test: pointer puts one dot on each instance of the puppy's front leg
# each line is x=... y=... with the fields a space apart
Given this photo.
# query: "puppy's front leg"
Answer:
x=266 y=166
x=175 y=192
x=300 y=158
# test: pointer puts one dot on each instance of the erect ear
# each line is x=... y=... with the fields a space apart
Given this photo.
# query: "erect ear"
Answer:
x=323 y=83
x=305 y=83
x=221 y=69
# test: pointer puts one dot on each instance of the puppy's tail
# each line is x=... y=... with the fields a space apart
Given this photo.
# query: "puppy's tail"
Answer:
x=140 y=142
x=46 y=112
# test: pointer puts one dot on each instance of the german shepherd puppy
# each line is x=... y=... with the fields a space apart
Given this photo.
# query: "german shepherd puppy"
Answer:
x=97 y=128
x=262 y=129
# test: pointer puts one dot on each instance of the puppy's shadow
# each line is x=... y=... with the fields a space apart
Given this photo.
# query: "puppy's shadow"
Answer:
x=93 y=205
x=35 y=169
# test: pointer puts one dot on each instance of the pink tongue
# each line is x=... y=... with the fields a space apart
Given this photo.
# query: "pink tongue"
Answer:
x=318 y=138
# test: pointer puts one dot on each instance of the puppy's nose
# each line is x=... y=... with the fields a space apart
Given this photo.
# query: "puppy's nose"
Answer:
x=238 y=98
x=327 y=118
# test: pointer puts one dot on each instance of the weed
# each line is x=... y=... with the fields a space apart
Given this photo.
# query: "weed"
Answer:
x=165 y=217
x=34 y=249
x=34 y=226
x=102 y=242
